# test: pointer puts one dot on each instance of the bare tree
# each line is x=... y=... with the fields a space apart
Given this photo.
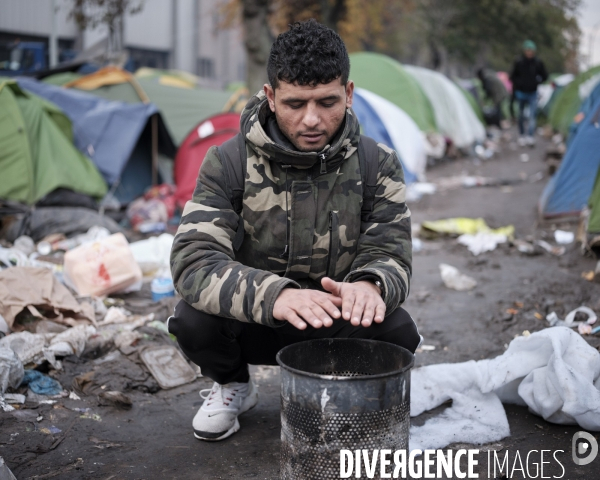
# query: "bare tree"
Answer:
x=257 y=40
x=92 y=13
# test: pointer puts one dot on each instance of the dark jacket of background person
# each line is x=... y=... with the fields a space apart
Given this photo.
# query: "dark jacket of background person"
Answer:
x=527 y=74
x=492 y=85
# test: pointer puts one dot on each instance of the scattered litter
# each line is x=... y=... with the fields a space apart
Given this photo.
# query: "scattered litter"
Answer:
x=460 y=226
x=91 y=416
x=41 y=384
x=37 y=290
x=417 y=245
x=524 y=157
x=39 y=418
x=556 y=251
x=584 y=327
x=48 y=326
x=162 y=287
x=4 y=330
x=11 y=369
x=5 y=473
x=115 y=398
x=74 y=396
x=563 y=237
x=482 y=242
x=589 y=275
x=416 y=190
x=455 y=280
x=126 y=338
x=51 y=430
x=153 y=254
x=425 y=348
x=530 y=372
x=102 y=267
x=168 y=366
x=116 y=315
x=14 y=398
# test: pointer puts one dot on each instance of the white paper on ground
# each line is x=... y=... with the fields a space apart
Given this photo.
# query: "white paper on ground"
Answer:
x=554 y=372
x=481 y=242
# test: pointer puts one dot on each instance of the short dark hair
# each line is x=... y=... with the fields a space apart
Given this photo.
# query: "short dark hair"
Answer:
x=308 y=54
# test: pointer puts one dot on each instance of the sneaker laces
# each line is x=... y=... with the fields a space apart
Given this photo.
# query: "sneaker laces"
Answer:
x=226 y=394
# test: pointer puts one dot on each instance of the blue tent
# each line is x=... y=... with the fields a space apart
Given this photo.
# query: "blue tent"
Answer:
x=386 y=123
x=586 y=107
x=568 y=191
x=116 y=136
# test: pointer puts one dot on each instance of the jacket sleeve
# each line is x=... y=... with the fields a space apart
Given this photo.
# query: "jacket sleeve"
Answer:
x=202 y=258
x=385 y=244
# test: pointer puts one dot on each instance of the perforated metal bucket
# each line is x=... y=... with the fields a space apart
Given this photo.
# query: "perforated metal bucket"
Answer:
x=341 y=394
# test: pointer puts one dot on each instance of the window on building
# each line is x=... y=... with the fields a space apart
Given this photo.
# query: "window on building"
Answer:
x=206 y=67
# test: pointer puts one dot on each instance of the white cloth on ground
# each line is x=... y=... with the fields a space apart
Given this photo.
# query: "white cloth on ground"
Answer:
x=554 y=372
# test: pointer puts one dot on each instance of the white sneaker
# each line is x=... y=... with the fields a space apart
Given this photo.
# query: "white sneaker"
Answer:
x=531 y=141
x=522 y=141
x=217 y=417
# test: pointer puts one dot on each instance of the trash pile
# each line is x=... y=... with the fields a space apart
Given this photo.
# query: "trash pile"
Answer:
x=94 y=299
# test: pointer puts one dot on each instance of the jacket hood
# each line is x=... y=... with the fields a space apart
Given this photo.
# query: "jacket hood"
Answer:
x=253 y=124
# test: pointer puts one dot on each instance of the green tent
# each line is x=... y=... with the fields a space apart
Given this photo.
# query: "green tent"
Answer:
x=567 y=103
x=387 y=78
x=181 y=108
x=37 y=155
x=59 y=79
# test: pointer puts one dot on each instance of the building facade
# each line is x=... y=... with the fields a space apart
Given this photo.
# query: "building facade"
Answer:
x=186 y=35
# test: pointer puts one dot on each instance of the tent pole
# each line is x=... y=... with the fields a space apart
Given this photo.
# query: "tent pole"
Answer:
x=154 y=127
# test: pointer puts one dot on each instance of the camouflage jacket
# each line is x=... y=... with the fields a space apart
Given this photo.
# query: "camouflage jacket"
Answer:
x=326 y=236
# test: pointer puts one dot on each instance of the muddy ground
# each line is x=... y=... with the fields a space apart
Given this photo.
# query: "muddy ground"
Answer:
x=154 y=440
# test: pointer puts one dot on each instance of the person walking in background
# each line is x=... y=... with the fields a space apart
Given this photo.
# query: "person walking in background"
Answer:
x=527 y=73
x=495 y=90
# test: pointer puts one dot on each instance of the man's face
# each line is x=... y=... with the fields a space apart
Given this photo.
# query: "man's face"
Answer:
x=310 y=116
x=529 y=53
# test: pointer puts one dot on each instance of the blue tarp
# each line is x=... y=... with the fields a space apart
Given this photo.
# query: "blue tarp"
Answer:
x=569 y=189
x=109 y=133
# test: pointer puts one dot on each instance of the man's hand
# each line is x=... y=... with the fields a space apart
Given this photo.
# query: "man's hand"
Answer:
x=361 y=301
x=300 y=307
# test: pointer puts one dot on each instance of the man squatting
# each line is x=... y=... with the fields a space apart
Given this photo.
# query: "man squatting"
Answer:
x=308 y=266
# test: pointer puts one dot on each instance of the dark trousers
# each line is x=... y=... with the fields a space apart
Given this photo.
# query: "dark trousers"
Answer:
x=223 y=348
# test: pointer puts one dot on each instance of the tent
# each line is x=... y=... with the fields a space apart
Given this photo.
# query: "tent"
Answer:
x=567 y=103
x=181 y=108
x=383 y=121
x=587 y=106
x=117 y=136
x=454 y=116
x=387 y=78
x=37 y=155
x=569 y=190
x=212 y=131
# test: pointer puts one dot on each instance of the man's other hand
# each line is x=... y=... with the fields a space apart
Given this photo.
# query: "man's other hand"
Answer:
x=301 y=307
x=361 y=301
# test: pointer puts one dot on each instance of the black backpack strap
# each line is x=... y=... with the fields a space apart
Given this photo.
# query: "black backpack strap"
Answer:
x=368 y=158
x=233 y=157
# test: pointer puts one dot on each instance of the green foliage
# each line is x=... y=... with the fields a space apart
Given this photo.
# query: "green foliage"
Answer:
x=492 y=31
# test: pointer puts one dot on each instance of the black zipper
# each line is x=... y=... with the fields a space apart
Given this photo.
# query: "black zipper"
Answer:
x=323 y=157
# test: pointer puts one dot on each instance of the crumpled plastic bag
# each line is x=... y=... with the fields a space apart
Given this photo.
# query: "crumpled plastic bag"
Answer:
x=102 y=267
x=460 y=226
x=41 y=384
x=11 y=369
x=482 y=242
x=39 y=347
x=455 y=280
